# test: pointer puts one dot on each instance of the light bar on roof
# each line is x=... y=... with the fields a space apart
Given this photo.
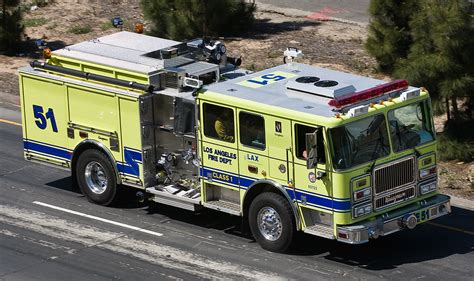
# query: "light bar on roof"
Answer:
x=366 y=94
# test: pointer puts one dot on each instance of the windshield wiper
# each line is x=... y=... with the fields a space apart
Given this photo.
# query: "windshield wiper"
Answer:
x=376 y=150
x=371 y=169
x=417 y=152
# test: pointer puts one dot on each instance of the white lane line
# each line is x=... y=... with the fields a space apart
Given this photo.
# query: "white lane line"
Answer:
x=98 y=218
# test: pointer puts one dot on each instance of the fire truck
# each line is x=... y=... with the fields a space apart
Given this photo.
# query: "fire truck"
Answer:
x=291 y=148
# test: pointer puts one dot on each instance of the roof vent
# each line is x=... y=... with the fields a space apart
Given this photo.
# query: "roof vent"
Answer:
x=307 y=79
x=326 y=83
x=314 y=91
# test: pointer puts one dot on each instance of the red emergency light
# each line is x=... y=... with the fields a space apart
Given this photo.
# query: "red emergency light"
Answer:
x=379 y=90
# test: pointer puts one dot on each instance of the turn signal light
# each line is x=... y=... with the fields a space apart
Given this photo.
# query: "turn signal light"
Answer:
x=362 y=210
x=432 y=186
x=47 y=53
x=343 y=235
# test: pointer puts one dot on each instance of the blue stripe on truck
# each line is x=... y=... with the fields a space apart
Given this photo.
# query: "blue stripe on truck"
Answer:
x=312 y=199
x=132 y=159
x=48 y=149
x=132 y=156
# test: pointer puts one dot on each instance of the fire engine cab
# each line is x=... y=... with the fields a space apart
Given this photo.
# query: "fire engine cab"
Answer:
x=290 y=148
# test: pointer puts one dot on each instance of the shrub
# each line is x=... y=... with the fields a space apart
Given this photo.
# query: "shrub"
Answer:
x=452 y=149
x=10 y=28
x=186 y=19
x=457 y=141
x=389 y=31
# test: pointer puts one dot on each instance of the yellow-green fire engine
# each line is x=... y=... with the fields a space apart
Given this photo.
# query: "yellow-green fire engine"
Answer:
x=290 y=148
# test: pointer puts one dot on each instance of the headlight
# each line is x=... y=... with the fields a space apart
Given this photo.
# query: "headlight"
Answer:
x=425 y=188
x=362 y=210
x=362 y=194
x=427 y=172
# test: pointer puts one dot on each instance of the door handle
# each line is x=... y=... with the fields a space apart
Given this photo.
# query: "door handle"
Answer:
x=253 y=169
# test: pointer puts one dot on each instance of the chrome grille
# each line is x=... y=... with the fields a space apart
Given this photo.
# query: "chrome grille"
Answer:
x=396 y=197
x=387 y=178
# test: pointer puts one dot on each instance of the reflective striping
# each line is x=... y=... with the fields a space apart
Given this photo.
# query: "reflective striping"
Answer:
x=319 y=201
x=246 y=183
x=132 y=159
x=311 y=199
x=132 y=156
x=51 y=150
x=98 y=219
x=220 y=176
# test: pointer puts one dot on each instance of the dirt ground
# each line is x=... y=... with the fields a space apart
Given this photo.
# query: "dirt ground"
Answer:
x=330 y=44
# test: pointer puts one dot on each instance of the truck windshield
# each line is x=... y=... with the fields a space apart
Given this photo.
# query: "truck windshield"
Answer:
x=410 y=126
x=359 y=142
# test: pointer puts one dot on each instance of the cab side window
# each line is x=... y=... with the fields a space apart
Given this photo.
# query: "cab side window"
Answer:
x=252 y=130
x=218 y=122
x=300 y=141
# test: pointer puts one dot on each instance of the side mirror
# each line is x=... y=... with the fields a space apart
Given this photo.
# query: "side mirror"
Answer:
x=311 y=145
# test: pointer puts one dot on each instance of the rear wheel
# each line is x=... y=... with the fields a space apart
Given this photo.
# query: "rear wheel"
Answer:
x=96 y=177
x=272 y=222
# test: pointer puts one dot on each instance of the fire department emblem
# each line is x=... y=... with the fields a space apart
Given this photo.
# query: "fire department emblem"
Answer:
x=282 y=168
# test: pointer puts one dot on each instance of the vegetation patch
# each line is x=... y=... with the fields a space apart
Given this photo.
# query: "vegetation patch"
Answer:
x=106 y=25
x=176 y=19
x=80 y=29
x=451 y=149
x=32 y=22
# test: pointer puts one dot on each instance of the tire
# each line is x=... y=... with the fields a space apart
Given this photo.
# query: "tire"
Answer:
x=278 y=233
x=96 y=177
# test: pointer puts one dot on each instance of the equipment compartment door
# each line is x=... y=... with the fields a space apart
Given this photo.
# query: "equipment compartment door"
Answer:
x=95 y=114
x=45 y=114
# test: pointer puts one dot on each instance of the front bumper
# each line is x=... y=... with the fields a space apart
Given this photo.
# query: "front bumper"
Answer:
x=405 y=218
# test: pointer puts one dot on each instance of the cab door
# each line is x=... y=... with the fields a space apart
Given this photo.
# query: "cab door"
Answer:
x=219 y=145
x=253 y=148
x=309 y=188
x=279 y=149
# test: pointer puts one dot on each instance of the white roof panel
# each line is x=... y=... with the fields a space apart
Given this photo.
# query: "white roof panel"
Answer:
x=124 y=50
x=270 y=87
x=138 y=42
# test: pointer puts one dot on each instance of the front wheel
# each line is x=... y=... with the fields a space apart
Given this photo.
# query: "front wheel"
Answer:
x=272 y=222
x=96 y=177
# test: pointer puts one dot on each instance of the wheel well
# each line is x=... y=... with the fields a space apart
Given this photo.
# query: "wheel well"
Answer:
x=86 y=146
x=259 y=189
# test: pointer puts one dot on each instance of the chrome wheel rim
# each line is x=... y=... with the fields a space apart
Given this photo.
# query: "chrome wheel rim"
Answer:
x=96 y=179
x=269 y=223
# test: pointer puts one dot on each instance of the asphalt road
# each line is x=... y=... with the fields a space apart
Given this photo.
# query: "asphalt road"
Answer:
x=353 y=10
x=38 y=242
